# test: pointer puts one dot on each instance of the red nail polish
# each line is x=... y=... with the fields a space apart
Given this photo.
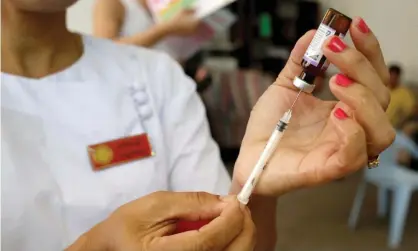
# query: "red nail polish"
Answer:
x=343 y=80
x=340 y=114
x=336 y=44
x=362 y=26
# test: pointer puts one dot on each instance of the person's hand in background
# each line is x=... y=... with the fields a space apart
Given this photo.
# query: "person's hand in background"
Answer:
x=149 y=224
x=325 y=140
x=184 y=23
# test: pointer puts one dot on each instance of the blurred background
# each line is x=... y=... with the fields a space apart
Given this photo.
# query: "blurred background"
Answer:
x=369 y=211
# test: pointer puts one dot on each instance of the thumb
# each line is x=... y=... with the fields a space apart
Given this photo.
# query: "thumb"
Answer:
x=189 y=206
x=214 y=236
x=293 y=66
x=184 y=225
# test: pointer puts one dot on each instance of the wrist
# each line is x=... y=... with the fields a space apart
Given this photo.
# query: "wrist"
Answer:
x=258 y=199
x=263 y=212
x=235 y=187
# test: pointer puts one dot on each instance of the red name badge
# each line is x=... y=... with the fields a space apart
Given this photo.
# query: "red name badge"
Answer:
x=119 y=151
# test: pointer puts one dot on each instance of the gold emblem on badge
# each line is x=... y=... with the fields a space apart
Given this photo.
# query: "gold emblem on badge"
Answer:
x=102 y=155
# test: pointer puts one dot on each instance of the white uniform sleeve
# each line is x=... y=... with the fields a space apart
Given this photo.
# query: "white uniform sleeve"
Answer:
x=194 y=156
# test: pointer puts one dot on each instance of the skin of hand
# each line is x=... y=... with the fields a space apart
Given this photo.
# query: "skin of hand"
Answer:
x=149 y=224
x=184 y=23
x=325 y=140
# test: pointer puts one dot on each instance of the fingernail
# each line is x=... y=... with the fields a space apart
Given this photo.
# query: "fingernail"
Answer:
x=343 y=80
x=336 y=44
x=362 y=26
x=340 y=114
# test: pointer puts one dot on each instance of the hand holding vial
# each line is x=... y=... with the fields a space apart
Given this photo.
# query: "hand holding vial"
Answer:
x=325 y=140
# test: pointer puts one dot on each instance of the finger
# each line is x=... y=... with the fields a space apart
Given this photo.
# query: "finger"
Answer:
x=356 y=66
x=351 y=154
x=293 y=66
x=367 y=43
x=214 y=236
x=189 y=206
x=366 y=111
x=247 y=239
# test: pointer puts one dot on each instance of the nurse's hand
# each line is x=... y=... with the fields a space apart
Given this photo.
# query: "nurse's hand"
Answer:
x=325 y=140
x=149 y=224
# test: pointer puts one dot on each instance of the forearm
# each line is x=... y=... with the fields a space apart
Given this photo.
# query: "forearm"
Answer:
x=147 y=38
x=263 y=213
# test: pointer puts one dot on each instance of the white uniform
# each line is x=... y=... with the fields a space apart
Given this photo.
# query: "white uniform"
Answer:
x=50 y=195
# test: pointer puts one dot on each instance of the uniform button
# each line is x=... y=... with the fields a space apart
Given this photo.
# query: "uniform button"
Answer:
x=141 y=98
x=145 y=112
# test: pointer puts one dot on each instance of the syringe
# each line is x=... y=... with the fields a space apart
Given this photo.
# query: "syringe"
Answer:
x=272 y=143
x=314 y=63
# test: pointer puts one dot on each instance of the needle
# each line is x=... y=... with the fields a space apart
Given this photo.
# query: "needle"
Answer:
x=296 y=99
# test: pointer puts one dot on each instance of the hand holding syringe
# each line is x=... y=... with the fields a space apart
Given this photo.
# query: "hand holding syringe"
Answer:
x=314 y=63
x=272 y=143
x=327 y=140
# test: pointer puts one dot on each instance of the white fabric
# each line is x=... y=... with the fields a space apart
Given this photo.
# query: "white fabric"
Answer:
x=137 y=20
x=50 y=195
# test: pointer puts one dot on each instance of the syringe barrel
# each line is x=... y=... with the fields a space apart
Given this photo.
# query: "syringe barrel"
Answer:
x=281 y=126
x=245 y=194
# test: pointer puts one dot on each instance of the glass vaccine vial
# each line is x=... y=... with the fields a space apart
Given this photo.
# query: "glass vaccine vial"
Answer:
x=314 y=63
